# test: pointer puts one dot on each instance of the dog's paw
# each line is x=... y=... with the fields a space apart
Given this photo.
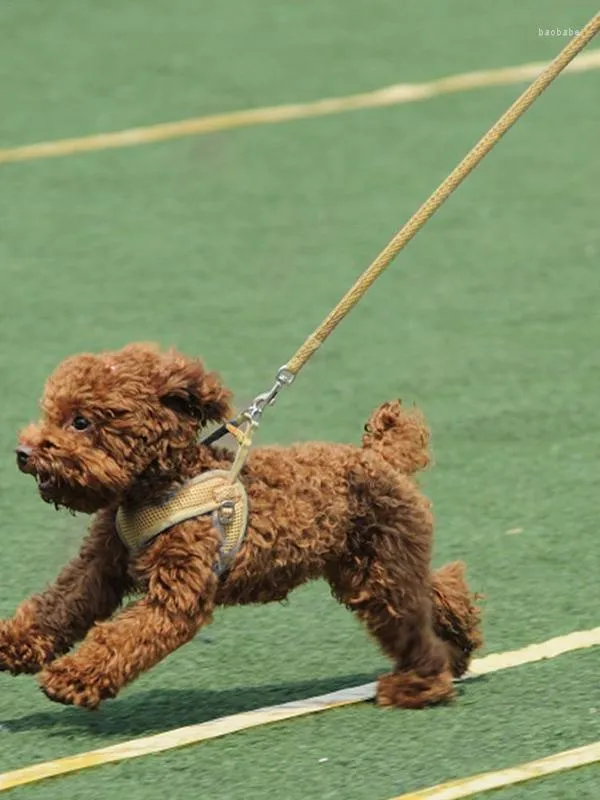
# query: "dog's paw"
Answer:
x=68 y=682
x=22 y=652
x=409 y=690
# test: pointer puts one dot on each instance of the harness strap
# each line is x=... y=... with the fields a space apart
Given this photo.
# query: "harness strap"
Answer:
x=213 y=493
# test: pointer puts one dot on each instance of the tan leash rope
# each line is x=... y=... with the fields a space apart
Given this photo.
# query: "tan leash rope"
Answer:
x=441 y=194
x=251 y=417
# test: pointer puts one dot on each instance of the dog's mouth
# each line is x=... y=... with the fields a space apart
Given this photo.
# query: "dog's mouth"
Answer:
x=47 y=485
x=56 y=493
x=64 y=483
x=54 y=490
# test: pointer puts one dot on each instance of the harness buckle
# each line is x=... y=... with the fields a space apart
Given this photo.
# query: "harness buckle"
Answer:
x=225 y=512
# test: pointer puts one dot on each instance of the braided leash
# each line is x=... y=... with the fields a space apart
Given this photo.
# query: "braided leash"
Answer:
x=244 y=426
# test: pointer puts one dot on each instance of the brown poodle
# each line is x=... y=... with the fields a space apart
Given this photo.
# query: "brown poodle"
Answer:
x=122 y=429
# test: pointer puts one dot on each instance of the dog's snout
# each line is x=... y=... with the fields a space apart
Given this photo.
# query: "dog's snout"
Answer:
x=23 y=453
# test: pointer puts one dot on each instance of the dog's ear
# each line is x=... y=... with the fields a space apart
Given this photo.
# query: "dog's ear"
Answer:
x=189 y=390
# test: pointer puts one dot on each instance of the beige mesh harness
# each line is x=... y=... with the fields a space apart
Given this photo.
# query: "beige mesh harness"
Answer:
x=212 y=493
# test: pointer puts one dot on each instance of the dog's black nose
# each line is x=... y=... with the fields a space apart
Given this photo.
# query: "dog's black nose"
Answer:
x=23 y=453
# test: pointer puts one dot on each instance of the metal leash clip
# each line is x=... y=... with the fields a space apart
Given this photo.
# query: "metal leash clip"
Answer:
x=262 y=401
x=253 y=413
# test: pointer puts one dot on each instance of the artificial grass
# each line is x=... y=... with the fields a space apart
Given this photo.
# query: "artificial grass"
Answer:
x=71 y=69
x=234 y=246
x=360 y=752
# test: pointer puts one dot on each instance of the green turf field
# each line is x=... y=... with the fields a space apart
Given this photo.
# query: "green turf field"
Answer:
x=234 y=246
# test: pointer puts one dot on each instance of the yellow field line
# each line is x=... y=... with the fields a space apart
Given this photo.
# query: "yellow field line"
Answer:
x=487 y=781
x=216 y=728
x=578 y=640
x=388 y=96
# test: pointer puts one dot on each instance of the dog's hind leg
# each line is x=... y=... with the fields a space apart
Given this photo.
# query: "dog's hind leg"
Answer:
x=384 y=577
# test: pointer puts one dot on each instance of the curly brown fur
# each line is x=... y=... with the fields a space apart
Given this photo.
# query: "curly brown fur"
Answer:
x=122 y=428
x=456 y=619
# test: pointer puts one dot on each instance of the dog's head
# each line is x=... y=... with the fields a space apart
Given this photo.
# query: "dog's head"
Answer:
x=109 y=419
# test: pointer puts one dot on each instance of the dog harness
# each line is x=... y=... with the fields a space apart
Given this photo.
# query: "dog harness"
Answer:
x=211 y=493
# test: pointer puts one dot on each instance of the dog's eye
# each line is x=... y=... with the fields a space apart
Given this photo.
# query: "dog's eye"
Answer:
x=80 y=423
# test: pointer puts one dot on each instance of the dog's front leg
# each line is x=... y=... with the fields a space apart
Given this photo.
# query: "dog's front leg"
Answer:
x=89 y=588
x=178 y=571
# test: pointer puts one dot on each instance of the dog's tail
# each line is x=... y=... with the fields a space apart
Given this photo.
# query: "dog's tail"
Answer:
x=400 y=436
